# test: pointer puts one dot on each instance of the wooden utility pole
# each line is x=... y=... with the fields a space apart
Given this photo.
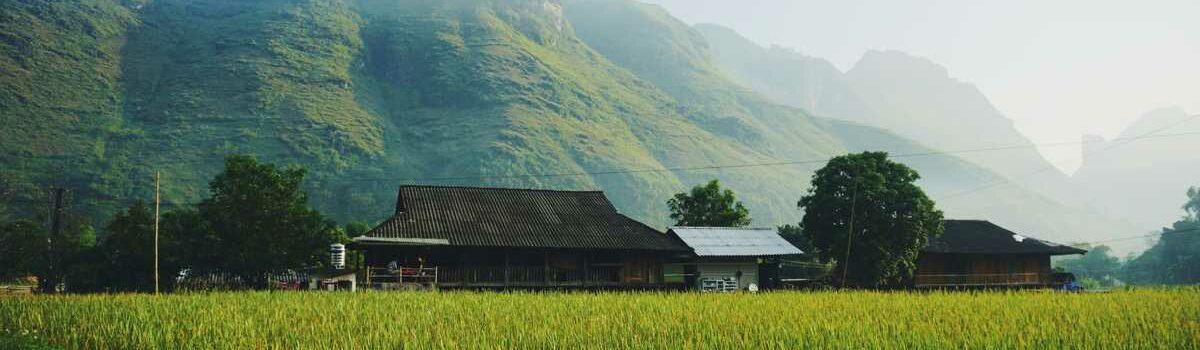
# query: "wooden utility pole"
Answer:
x=850 y=233
x=156 y=204
x=53 y=241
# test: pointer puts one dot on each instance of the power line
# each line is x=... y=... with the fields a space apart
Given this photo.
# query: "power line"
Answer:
x=1123 y=141
x=1004 y=180
x=749 y=165
x=1156 y=234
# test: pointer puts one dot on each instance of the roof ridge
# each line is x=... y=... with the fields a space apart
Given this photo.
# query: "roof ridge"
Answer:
x=502 y=188
x=722 y=228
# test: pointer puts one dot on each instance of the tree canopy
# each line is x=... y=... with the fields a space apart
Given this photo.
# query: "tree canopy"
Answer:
x=256 y=221
x=127 y=251
x=1191 y=208
x=795 y=235
x=1097 y=267
x=1175 y=258
x=22 y=244
x=708 y=205
x=870 y=209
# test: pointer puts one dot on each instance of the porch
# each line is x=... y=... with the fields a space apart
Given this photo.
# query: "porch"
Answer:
x=984 y=280
x=464 y=267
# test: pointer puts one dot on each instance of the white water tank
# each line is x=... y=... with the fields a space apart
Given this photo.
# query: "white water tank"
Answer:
x=337 y=255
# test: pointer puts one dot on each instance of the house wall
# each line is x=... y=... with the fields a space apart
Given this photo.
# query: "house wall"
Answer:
x=983 y=263
x=723 y=270
x=983 y=269
x=517 y=267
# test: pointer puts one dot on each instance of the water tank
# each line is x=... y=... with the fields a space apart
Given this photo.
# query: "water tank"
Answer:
x=337 y=255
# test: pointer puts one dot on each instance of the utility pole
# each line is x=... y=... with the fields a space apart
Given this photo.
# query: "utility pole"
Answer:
x=850 y=232
x=156 y=204
x=51 y=283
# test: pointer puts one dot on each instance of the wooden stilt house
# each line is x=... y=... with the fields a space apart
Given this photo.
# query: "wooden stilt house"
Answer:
x=470 y=237
x=980 y=254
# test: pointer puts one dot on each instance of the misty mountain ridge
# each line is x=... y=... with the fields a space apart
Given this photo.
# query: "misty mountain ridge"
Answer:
x=912 y=96
x=1144 y=179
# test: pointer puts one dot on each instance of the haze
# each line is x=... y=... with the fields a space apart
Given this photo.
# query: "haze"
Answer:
x=1058 y=69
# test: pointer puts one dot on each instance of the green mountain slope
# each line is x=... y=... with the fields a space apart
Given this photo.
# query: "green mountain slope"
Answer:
x=366 y=95
x=371 y=94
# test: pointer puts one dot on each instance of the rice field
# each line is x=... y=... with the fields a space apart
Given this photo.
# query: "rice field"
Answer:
x=1145 y=318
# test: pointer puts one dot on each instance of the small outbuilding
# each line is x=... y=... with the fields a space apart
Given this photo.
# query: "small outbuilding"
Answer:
x=730 y=258
x=980 y=254
x=333 y=279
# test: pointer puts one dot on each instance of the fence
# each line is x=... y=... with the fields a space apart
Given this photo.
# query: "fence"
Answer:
x=499 y=276
x=983 y=280
x=221 y=281
x=23 y=285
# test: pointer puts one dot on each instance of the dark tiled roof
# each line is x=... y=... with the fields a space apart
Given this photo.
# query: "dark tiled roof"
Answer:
x=501 y=217
x=983 y=237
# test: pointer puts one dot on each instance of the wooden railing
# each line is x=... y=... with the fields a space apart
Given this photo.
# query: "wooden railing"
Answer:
x=193 y=280
x=983 y=280
x=400 y=277
x=604 y=275
x=495 y=276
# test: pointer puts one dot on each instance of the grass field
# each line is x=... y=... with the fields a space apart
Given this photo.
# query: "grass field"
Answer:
x=1160 y=319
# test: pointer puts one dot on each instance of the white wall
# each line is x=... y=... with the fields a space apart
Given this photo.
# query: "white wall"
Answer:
x=729 y=269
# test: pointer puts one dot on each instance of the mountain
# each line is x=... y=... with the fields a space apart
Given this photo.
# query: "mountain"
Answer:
x=364 y=94
x=370 y=94
x=1144 y=178
x=786 y=76
x=911 y=96
x=917 y=99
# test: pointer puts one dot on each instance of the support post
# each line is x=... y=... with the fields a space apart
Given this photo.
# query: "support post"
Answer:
x=156 y=206
x=850 y=233
x=587 y=274
x=56 y=226
x=506 y=268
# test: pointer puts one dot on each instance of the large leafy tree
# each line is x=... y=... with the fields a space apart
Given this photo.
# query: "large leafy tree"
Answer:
x=867 y=214
x=708 y=205
x=257 y=221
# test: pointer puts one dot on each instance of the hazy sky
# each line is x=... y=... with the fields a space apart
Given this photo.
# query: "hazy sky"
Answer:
x=1057 y=68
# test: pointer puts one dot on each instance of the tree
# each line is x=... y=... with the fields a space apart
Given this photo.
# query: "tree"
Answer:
x=1098 y=265
x=8 y=192
x=1175 y=258
x=127 y=251
x=708 y=205
x=257 y=221
x=28 y=248
x=795 y=235
x=22 y=244
x=1191 y=208
x=65 y=255
x=866 y=213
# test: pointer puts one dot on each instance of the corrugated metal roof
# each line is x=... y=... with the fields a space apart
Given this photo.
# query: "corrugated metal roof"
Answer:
x=983 y=237
x=503 y=217
x=733 y=241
